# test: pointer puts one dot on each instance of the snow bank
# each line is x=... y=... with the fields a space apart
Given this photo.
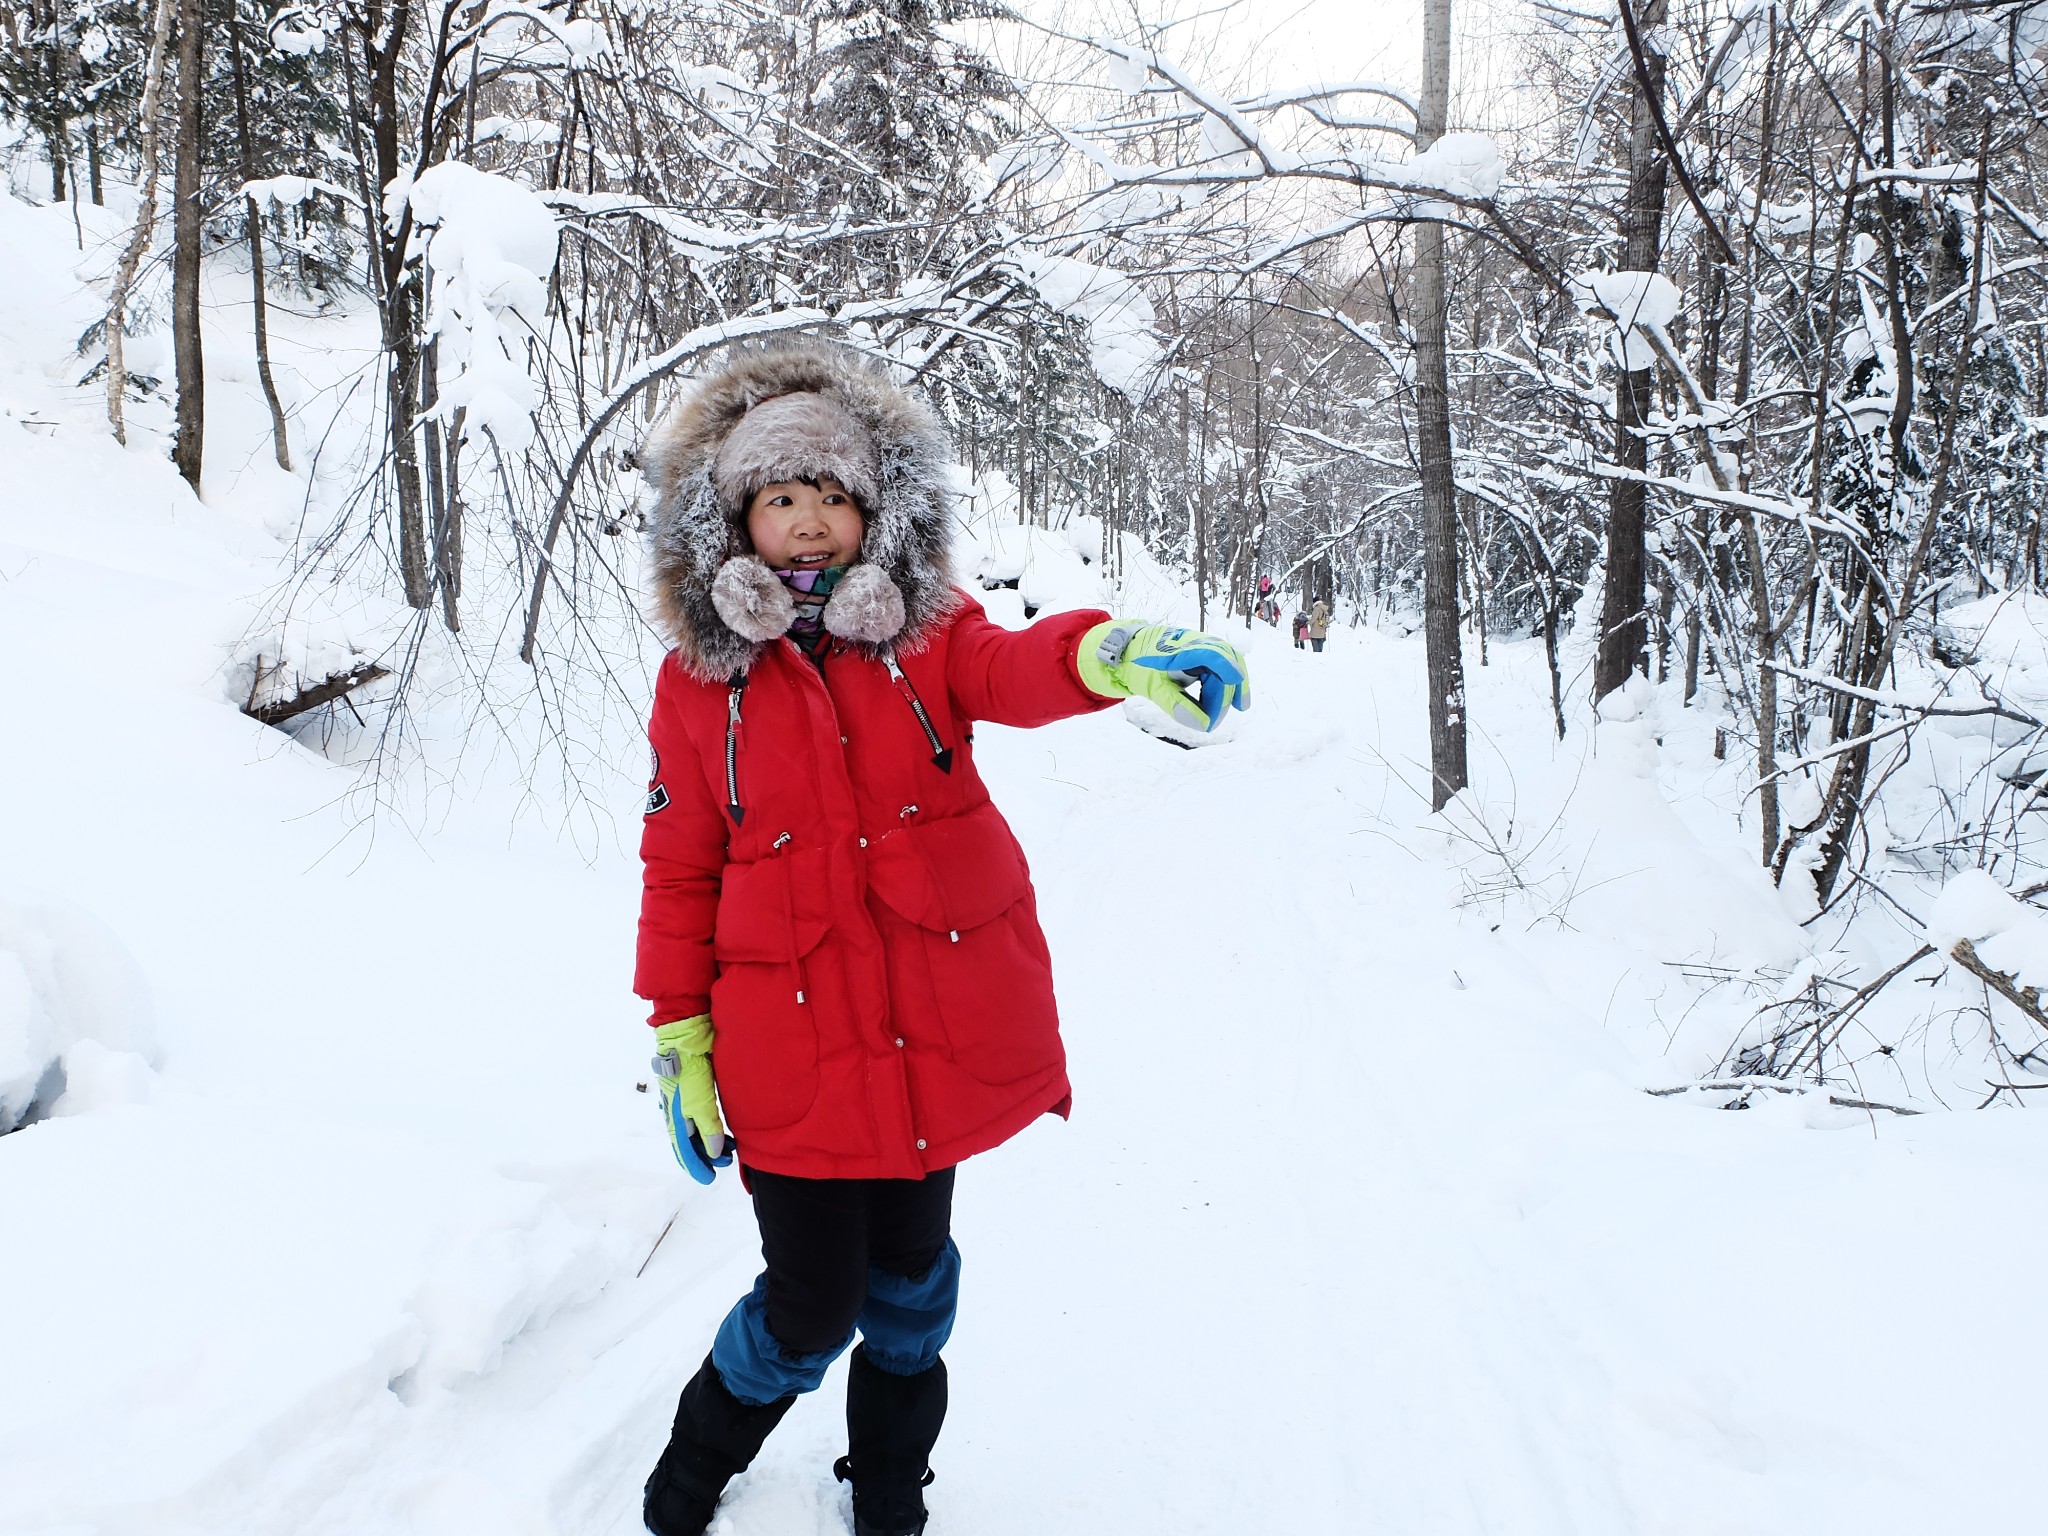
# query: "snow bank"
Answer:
x=1049 y=569
x=74 y=1015
x=1123 y=342
x=492 y=250
x=2007 y=633
x=2007 y=934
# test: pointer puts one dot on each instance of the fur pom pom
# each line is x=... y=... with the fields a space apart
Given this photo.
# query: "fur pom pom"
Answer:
x=754 y=604
x=865 y=607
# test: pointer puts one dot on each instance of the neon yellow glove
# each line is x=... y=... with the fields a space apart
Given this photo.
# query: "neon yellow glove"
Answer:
x=1128 y=658
x=689 y=1097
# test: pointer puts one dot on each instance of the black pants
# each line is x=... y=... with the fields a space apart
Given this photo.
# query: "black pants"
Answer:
x=1316 y=644
x=818 y=1237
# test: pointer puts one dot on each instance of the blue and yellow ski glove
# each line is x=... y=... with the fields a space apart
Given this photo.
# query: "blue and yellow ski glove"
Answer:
x=689 y=1100
x=1130 y=658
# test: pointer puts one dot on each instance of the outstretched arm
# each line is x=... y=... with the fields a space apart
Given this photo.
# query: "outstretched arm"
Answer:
x=1020 y=677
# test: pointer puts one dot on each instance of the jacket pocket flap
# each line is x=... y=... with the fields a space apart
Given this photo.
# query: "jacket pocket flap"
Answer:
x=953 y=874
x=773 y=906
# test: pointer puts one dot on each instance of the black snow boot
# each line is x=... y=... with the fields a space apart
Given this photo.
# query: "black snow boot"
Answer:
x=715 y=1436
x=892 y=1422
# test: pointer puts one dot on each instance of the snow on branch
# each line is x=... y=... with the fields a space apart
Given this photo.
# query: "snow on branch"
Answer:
x=1225 y=127
x=1123 y=339
x=491 y=253
x=1635 y=302
x=1741 y=501
x=582 y=42
x=1466 y=167
x=290 y=191
x=1303 y=95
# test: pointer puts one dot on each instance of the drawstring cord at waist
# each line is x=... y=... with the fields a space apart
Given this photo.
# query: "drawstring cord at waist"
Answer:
x=796 y=959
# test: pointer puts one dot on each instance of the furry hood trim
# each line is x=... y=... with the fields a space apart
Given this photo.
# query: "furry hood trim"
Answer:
x=782 y=410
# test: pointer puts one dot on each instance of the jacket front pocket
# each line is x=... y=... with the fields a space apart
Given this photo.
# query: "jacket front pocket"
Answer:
x=772 y=917
x=962 y=886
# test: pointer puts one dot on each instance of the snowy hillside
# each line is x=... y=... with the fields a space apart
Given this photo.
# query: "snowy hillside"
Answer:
x=1364 y=1220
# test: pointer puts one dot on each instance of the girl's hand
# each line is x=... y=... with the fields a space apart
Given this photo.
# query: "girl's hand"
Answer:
x=1128 y=658
x=689 y=1098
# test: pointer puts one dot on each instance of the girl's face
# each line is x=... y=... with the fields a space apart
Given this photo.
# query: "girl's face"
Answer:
x=798 y=526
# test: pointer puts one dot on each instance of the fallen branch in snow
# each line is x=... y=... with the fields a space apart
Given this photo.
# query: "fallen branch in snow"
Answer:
x=657 y=1245
x=1752 y=1084
x=336 y=685
x=2026 y=999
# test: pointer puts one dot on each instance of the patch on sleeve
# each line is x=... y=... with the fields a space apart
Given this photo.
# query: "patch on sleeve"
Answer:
x=657 y=800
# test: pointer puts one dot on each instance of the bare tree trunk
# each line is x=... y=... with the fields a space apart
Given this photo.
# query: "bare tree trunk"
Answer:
x=51 y=18
x=145 y=222
x=1624 y=627
x=448 y=537
x=383 y=46
x=254 y=215
x=1433 y=427
x=1246 y=600
x=92 y=162
x=190 y=449
x=1198 y=504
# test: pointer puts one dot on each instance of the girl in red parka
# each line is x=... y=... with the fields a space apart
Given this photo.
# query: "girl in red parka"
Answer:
x=837 y=923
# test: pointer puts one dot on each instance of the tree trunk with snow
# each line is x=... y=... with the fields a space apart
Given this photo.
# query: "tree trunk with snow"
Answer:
x=1624 y=626
x=190 y=450
x=145 y=222
x=254 y=215
x=382 y=36
x=1446 y=664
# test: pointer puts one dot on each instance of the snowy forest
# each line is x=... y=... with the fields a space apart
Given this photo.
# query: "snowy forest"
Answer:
x=1625 y=934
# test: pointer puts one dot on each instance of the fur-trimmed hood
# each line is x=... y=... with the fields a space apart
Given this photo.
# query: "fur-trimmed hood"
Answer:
x=714 y=599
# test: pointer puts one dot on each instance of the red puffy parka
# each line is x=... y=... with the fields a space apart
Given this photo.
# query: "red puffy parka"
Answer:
x=858 y=921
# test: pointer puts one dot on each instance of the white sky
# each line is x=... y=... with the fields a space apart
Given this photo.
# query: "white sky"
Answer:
x=1256 y=43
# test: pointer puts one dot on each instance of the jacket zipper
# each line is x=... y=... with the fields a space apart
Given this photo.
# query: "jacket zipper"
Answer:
x=736 y=689
x=942 y=755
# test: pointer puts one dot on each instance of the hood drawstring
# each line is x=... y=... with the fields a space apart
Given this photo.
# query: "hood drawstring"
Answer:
x=733 y=808
x=942 y=755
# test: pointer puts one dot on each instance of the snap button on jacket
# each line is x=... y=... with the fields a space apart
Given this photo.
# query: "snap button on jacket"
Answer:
x=858 y=921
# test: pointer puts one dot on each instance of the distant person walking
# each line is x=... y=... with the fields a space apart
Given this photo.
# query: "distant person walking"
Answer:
x=1300 y=627
x=1318 y=624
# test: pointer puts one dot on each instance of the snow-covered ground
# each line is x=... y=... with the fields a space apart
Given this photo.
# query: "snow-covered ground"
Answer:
x=1363 y=1220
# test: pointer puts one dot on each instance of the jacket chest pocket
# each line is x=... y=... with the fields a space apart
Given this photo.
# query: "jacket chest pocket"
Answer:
x=772 y=917
x=962 y=886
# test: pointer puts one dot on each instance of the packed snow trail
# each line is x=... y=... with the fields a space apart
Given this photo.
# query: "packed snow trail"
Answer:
x=1362 y=1221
